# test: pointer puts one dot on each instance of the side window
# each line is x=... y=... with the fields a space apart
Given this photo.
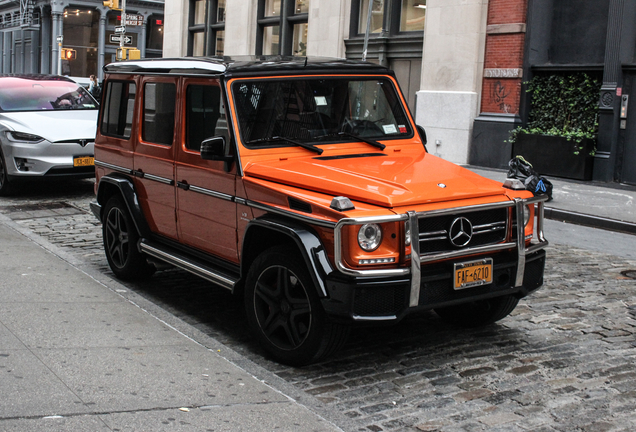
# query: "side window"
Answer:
x=205 y=115
x=158 y=122
x=119 y=104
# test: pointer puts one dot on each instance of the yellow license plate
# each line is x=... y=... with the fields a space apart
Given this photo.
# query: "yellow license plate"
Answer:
x=473 y=273
x=83 y=161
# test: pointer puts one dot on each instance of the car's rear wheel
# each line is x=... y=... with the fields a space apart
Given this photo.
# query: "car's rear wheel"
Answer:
x=121 y=242
x=284 y=311
x=480 y=312
x=4 y=179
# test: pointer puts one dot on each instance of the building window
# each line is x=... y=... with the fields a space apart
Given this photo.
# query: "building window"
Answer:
x=282 y=27
x=388 y=17
x=81 y=29
x=206 y=28
x=154 y=33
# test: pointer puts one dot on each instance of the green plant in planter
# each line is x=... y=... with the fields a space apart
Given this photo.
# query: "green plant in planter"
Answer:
x=563 y=104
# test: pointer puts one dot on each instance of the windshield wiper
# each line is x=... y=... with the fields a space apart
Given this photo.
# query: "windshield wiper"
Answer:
x=350 y=135
x=280 y=138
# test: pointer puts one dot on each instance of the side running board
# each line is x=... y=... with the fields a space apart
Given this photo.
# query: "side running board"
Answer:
x=188 y=264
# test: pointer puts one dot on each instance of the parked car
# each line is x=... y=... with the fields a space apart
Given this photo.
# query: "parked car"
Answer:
x=47 y=129
x=304 y=186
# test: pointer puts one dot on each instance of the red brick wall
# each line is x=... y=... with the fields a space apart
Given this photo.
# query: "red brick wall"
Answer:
x=503 y=51
x=507 y=11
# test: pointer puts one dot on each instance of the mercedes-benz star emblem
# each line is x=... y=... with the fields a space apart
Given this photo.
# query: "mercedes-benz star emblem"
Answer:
x=461 y=231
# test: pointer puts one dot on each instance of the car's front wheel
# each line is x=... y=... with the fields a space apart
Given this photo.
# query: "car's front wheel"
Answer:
x=4 y=178
x=120 y=242
x=479 y=313
x=284 y=311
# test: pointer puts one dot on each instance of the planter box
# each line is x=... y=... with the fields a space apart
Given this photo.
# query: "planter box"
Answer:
x=556 y=156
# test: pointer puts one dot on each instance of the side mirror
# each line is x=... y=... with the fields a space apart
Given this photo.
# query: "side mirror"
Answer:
x=422 y=132
x=214 y=149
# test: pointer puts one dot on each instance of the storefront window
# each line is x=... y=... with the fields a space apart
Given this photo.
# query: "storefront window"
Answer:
x=81 y=29
x=377 y=16
x=220 y=11
x=154 y=32
x=220 y=42
x=199 y=12
x=271 y=40
x=282 y=36
x=272 y=8
x=300 y=40
x=206 y=27
x=302 y=6
x=412 y=15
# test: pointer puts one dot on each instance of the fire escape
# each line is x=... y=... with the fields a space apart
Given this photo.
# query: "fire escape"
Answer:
x=28 y=18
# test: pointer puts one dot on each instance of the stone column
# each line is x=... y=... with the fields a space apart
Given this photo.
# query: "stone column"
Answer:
x=452 y=74
x=45 y=59
x=56 y=30
x=141 y=42
x=101 y=44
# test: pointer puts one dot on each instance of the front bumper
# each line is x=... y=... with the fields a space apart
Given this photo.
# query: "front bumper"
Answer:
x=362 y=299
x=388 y=295
x=41 y=159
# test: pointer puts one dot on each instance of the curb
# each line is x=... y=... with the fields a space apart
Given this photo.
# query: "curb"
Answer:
x=590 y=220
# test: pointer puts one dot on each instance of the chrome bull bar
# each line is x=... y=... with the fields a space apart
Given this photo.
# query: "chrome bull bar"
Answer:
x=538 y=241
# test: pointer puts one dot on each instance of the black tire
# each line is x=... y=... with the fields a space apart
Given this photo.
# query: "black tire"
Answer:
x=479 y=313
x=121 y=242
x=284 y=312
x=5 y=188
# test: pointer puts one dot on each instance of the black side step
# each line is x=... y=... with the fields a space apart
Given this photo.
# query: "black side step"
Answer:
x=189 y=264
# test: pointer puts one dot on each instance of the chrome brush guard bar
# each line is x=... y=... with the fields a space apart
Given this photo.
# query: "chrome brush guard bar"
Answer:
x=537 y=243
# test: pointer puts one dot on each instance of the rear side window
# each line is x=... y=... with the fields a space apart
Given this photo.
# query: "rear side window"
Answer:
x=118 y=108
x=158 y=123
x=205 y=116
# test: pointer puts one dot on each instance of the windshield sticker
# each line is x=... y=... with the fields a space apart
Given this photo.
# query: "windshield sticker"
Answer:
x=321 y=100
x=389 y=129
x=402 y=128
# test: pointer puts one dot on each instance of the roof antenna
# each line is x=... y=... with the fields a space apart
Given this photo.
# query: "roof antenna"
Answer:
x=305 y=61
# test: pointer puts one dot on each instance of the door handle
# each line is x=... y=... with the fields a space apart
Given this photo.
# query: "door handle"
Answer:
x=183 y=185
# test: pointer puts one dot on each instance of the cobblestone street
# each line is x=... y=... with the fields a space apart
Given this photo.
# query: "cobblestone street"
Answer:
x=565 y=360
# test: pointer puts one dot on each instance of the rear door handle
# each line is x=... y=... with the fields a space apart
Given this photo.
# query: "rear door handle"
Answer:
x=183 y=185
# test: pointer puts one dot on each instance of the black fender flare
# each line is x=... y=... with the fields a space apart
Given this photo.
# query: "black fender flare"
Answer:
x=308 y=243
x=126 y=189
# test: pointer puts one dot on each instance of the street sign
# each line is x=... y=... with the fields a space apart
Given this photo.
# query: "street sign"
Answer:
x=116 y=38
x=133 y=19
x=121 y=29
x=60 y=39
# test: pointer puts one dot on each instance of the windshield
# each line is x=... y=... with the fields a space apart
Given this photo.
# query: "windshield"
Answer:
x=318 y=109
x=42 y=94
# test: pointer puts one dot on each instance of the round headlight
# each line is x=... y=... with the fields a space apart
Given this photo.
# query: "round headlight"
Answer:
x=370 y=237
x=526 y=215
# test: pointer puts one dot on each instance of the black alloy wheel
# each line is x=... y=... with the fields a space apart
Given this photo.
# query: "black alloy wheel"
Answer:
x=120 y=242
x=284 y=311
x=282 y=307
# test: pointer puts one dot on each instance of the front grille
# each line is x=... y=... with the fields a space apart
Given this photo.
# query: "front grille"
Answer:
x=489 y=227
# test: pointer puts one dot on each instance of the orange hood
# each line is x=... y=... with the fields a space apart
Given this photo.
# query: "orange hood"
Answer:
x=398 y=179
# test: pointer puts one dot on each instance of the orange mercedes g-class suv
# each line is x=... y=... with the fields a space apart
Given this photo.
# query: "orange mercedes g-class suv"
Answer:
x=304 y=185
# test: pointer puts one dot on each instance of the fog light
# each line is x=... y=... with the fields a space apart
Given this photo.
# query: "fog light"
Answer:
x=22 y=164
